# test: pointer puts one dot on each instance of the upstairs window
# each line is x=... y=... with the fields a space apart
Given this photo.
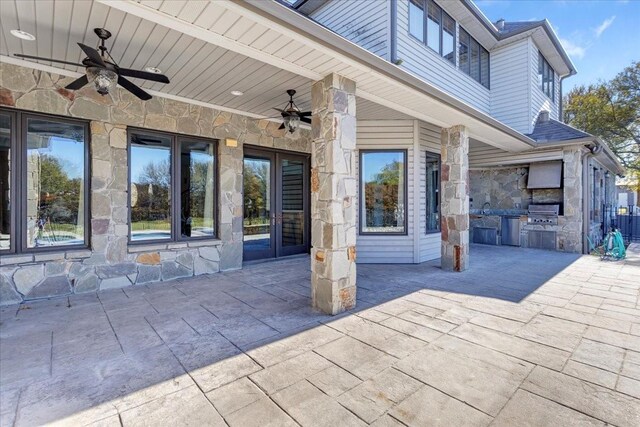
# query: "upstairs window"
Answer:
x=546 y=77
x=433 y=27
x=416 y=19
x=474 y=59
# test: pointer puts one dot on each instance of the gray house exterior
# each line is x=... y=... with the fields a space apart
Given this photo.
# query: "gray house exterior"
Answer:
x=405 y=141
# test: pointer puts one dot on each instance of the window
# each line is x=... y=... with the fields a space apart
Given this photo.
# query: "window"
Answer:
x=448 y=38
x=546 y=77
x=161 y=208
x=463 y=51
x=438 y=27
x=44 y=164
x=433 y=26
x=383 y=179
x=474 y=59
x=433 y=192
x=416 y=19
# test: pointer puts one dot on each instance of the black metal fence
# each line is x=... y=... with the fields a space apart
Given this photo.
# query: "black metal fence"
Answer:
x=625 y=219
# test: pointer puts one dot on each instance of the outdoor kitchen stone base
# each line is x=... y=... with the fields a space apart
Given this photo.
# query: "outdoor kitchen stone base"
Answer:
x=111 y=262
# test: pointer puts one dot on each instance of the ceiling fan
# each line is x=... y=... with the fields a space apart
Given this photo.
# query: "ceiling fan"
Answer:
x=102 y=70
x=291 y=115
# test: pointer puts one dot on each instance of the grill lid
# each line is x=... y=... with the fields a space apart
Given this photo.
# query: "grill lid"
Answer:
x=549 y=210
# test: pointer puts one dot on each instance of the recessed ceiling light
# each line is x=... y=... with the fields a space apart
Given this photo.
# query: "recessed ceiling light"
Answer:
x=153 y=70
x=23 y=35
x=237 y=93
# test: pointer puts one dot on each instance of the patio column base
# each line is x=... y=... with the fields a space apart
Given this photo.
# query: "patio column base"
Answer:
x=454 y=203
x=333 y=194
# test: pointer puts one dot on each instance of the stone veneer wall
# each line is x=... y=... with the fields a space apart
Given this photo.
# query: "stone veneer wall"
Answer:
x=501 y=187
x=111 y=262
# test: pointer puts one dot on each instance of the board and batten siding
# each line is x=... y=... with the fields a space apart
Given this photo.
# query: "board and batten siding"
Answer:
x=428 y=141
x=364 y=22
x=511 y=85
x=539 y=100
x=422 y=61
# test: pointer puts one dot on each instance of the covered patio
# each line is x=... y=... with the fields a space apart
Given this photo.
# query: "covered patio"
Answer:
x=557 y=339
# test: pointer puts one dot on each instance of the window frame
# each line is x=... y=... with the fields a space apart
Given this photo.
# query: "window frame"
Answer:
x=18 y=176
x=431 y=157
x=547 y=72
x=175 y=202
x=361 y=195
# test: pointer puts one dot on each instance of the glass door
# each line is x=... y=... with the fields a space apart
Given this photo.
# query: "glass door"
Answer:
x=292 y=218
x=259 y=196
x=276 y=204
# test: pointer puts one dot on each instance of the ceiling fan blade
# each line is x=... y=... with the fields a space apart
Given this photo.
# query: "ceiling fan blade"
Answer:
x=133 y=89
x=281 y=127
x=282 y=111
x=143 y=75
x=77 y=83
x=19 y=55
x=304 y=113
x=305 y=120
x=92 y=54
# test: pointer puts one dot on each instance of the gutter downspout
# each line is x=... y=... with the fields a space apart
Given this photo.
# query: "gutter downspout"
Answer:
x=393 y=41
x=560 y=101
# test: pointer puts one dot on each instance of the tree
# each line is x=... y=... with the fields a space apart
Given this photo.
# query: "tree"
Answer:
x=611 y=111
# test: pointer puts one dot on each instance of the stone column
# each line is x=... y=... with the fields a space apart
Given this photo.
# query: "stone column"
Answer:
x=333 y=194
x=454 y=203
x=570 y=224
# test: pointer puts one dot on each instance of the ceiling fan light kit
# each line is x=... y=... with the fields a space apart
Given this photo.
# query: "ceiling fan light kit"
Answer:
x=103 y=79
x=291 y=115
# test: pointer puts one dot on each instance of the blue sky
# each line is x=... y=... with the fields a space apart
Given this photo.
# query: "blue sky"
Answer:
x=601 y=37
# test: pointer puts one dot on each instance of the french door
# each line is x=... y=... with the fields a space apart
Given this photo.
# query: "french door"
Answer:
x=276 y=204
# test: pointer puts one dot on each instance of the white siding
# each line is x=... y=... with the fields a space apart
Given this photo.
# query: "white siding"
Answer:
x=380 y=134
x=483 y=155
x=511 y=85
x=429 y=140
x=364 y=22
x=540 y=101
x=422 y=61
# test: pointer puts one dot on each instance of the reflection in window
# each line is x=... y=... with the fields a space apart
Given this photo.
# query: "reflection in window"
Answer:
x=463 y=50
x=448 y=38
x=433 y=26
x=416 y=19
x=484 y=67
x=150 y=166
x=546 y=77
x=5 y=182
x=55 y=205
x=433 y=192
x=292 y=202
x=257 y=203
x=383 y=178
x=197 y=188
x=475 y=60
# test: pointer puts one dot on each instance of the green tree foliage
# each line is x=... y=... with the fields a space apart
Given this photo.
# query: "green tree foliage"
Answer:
x=381 y=196
x=60 y=195
x=256 y=192
x=611 y=111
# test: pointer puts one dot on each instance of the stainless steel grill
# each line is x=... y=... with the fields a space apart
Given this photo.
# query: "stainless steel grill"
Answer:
x=543 y=214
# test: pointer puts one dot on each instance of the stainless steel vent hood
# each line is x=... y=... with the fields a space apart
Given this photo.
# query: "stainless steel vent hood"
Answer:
x=545 y=175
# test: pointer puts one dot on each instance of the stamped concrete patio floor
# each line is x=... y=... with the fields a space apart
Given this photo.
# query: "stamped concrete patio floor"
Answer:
x=524 y=337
